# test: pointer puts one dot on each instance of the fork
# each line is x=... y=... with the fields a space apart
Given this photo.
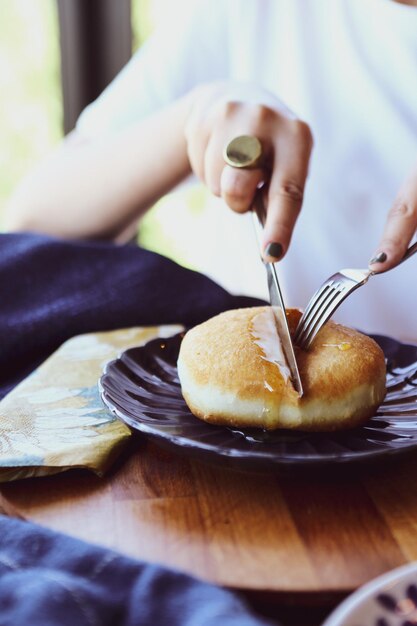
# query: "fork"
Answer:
x=329 y=297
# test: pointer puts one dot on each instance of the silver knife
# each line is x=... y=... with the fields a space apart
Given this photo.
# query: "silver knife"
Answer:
x=276 y=299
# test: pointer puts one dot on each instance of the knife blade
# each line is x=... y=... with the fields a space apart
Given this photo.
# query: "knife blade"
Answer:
x=276 y=299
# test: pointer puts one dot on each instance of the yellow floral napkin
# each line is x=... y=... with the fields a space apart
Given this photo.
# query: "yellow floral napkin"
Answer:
x=55 y=419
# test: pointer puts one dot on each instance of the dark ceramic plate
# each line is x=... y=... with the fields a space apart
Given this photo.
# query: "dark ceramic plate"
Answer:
x=142 y=388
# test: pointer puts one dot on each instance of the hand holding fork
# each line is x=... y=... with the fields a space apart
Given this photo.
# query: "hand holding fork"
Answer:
x=329 y=297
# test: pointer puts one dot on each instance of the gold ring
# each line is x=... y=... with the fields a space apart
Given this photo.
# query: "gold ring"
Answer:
x=244 y=152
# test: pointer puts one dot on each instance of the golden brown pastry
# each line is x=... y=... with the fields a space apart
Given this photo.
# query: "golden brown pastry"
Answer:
x=232 y=372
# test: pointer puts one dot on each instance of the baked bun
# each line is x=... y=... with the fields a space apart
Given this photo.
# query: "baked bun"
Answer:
x=232 y=372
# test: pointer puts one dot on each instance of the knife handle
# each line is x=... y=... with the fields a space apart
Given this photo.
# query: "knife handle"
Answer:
x=259 y=216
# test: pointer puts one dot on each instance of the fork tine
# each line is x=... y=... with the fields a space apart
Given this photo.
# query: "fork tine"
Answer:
x=320 y=293
x=323 y=314
x=326 y=300
x=317 y=311
x=344 y=289
x=312 y=306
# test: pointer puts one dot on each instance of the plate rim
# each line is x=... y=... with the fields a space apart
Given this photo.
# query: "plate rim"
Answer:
x=338 y=616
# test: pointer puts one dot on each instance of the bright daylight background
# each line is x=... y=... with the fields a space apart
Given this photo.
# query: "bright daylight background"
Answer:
x=31 y=112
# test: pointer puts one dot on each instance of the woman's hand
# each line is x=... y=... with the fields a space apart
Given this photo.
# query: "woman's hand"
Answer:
x=400 y=227
x=215 y=118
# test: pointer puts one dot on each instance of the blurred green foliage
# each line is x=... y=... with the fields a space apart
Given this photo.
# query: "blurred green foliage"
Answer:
x=142 y=21
x=30 y=100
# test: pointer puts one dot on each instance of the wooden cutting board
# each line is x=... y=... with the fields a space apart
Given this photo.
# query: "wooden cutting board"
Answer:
x=312 y=539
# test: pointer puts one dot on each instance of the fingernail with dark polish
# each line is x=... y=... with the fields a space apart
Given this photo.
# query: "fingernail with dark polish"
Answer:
x=274 y=250
x=381 y=257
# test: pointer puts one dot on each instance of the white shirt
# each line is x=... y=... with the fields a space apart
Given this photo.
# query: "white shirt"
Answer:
x=346 y=67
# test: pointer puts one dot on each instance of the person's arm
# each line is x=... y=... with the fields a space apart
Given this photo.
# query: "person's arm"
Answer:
x=96 y=188
x=99 y=187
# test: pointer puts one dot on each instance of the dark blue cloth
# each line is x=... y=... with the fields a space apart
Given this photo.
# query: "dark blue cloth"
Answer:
x=51 y=290
x=49 y=579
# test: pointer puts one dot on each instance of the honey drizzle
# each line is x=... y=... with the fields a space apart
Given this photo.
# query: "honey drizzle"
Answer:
x=265 y=335
x=343 y=345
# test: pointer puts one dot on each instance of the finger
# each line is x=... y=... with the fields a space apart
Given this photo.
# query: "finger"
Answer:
x=286 y=191
x=214 y=164
x=399 y=229
x=197 y=142
x=238 y=187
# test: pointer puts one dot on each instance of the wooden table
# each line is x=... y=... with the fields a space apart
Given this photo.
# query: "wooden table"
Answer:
x=280 y=539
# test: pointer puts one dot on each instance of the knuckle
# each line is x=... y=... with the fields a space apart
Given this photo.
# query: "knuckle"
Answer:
x=302 y=133
x=403 y=210
x=261 y=115
x=228 y=109
x=291 y=191
x=393 y=242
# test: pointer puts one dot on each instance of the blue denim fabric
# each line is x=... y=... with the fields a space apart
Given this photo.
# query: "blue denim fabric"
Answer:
x=51 y=290
x=49 y=579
